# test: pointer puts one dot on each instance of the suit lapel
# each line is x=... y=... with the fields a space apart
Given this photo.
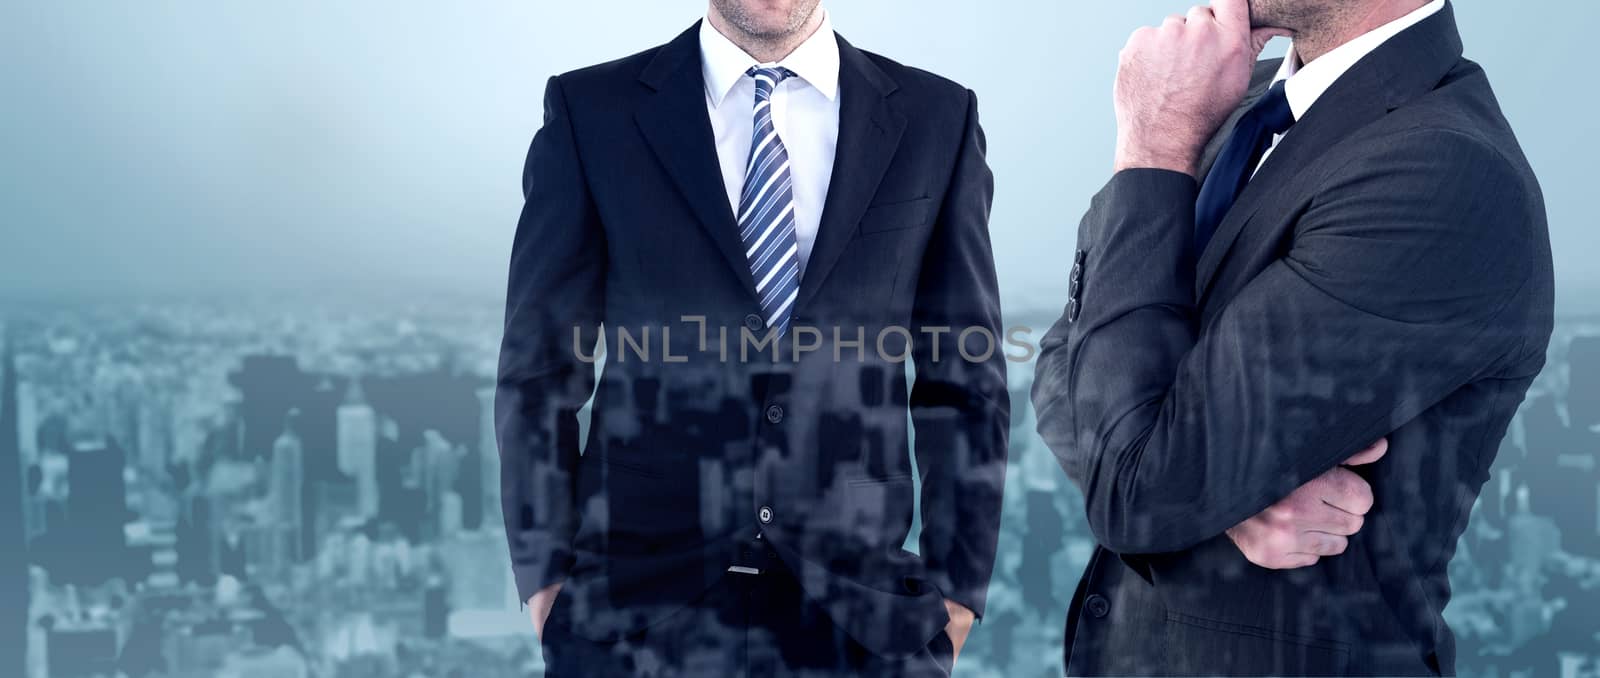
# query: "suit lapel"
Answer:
x=678 y=129
x=1407 y=65
x=1320 y=129
x=869 y=134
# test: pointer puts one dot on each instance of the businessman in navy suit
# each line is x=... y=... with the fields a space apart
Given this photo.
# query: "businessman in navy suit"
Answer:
x=765 y=224
x=1295 y=258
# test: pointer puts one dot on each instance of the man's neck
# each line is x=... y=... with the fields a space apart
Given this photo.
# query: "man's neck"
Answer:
x=765 y=49
x=1342 y=27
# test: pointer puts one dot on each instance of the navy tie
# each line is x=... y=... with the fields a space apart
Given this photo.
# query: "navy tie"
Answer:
x=766 y=210
x=1251 y=138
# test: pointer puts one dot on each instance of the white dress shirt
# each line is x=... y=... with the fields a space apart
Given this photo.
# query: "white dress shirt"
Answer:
x=805 y=112
x=1304 y=84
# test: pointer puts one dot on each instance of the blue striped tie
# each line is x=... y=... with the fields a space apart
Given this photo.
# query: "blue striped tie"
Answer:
x=766 y=210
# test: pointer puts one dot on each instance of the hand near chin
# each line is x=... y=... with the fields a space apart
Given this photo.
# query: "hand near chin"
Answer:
x=1313 y=522
x=1178 y=82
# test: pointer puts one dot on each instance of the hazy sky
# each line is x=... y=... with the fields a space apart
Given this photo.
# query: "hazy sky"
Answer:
x=198 y=145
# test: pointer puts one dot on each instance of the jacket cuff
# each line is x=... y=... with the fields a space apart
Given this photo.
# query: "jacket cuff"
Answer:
x=971 y=597
x=1142 y=195
x=535 y=576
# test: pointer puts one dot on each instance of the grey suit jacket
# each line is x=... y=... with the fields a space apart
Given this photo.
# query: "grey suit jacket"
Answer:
x=1386 y=273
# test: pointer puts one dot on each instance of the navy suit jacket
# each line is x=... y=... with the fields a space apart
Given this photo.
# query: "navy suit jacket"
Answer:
x=1387 y=272
x=696 y=447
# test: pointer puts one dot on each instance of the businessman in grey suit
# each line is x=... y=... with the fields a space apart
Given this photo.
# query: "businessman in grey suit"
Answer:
x=1301 y=315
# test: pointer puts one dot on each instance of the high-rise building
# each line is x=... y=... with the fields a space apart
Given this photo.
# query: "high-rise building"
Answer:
x=449 y=515
x=489 y=460
x=27 y=423
x=358 y=447
x=13 y=558
x=197 y=539
x=435 y=607
x=97 y=510
x=436 y=463
x=88 y=649
x=269 y=385
x=442 y=400
x=32 y=473
x=154 y=431
x=1583 y=394
x=286 y=485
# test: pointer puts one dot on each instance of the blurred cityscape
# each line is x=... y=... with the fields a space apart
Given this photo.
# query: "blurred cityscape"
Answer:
x=308 y=486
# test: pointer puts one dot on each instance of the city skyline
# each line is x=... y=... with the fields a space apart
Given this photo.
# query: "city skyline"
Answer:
x=360 y=535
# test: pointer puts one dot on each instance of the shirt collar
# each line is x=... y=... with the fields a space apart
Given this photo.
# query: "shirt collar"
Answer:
x=1306 y=83
x=815 y=61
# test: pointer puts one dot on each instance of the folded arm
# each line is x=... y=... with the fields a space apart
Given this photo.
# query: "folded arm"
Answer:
x=1389 y=297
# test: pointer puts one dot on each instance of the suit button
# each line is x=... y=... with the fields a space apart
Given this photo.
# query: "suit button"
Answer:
x=1097 y=606
x=1073 y=308
x=765 y=514
x=754 y=322
x=774 y=414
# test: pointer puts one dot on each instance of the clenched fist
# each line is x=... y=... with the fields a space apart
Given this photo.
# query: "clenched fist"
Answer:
x=1313 y=522
x=1177 y=83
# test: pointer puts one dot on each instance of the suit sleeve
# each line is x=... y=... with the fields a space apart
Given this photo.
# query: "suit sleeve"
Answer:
x=960 y=408
x=1399 y=286
x=554 y=299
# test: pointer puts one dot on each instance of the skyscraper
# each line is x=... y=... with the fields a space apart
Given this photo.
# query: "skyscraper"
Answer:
x=488 y=459
x=268 y=385
x=13 y=559
x=27 y=423
x=358 y=447
x=287 y=485
x=97 y=510
x=436 y=464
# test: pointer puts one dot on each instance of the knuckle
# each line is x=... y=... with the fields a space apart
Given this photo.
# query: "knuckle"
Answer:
x=1352 y=483
x=1280 y=541
x=1353 y=524
x=1285 y=512
x=1335 y=545
x=1319 y=544
x=1361 y=501
x=1354 y=489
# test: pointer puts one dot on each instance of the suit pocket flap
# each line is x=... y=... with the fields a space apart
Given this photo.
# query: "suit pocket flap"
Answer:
x=897 y=215
x=1210 y=646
